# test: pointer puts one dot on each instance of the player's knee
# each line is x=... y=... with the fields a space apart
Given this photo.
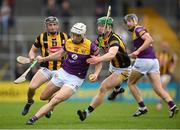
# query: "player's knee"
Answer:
x=103 y=89
x=33 y=86
x=130 y=83
x=43 y=97
x=56 y=100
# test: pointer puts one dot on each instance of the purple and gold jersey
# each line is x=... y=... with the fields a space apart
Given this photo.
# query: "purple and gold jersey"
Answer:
x=138 y=41
x=76 y=56
x=46 y=42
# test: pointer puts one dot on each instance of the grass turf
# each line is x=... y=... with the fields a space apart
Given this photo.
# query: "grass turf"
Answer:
x=111 y=115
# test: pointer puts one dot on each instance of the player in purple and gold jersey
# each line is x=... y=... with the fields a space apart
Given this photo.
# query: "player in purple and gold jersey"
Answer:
x=47 y=42
x=70 y=77
x=146 y=63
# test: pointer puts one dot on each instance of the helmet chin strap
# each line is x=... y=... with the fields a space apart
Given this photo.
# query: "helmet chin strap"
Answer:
x=78 y=42
x=131 y=29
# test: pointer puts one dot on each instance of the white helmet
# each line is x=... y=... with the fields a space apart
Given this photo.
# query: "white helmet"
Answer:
x=79 y=28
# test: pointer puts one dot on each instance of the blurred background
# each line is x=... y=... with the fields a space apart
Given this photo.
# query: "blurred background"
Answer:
x=21 y=21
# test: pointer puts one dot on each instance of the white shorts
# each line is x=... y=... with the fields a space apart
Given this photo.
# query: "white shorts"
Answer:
x=144 y=65
x=64 y=78
x=47 y=73
x=118 y=71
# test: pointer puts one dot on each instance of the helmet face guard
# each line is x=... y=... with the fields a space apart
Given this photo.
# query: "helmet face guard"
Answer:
x=130 y=17
x=79 y=28
x=106 y=23
x=131 y=20
x=51 y=19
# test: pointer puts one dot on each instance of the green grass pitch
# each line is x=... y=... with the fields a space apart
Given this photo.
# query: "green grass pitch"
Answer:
x=110 y=115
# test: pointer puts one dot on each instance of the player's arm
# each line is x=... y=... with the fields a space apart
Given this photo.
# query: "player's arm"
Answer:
x=110 y=55
x=147 y=42
x=98 y=67
x=53 y=57
x=106 y=57
x=32 y=52
x=34 y=48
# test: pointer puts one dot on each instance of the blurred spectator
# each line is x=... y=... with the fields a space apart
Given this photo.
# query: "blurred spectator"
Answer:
x=11 y=4
x=51 y=8
x=139 y=3
x=167 y=62
x=1 y=2
x=100 y=8
x=178 y=18
x=125 y=7
x=113 y=4
x=65 y=12
x=5 y=13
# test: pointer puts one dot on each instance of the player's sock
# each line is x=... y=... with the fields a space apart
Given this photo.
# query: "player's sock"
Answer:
x=27 y=107
x=89 y=110
x=32 y=120
x=84 y=113
x=141 y=104
x=171 y=104
x=48 y=115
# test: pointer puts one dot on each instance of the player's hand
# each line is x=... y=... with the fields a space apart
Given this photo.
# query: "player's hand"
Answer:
x=92 y=77
x=40 y=59
x=134 y=54
x=93 y=60
x=32 y=59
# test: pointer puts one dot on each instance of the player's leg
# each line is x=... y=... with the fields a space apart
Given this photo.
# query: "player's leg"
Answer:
x=110 y=82
x=157 y=86
x=48 y=93
x=63 y=94
x=132 y=80
x=117 y=90
x=165 y=79
x=37 y=80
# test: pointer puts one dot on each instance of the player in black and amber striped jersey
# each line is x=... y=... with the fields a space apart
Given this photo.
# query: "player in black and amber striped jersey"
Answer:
x=116 y=54
x=167 y=62
x=47 y=42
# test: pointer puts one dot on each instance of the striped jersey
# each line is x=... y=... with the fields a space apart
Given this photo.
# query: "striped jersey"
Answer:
x=121 y=60
x=165 y=60
x=47 y=44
